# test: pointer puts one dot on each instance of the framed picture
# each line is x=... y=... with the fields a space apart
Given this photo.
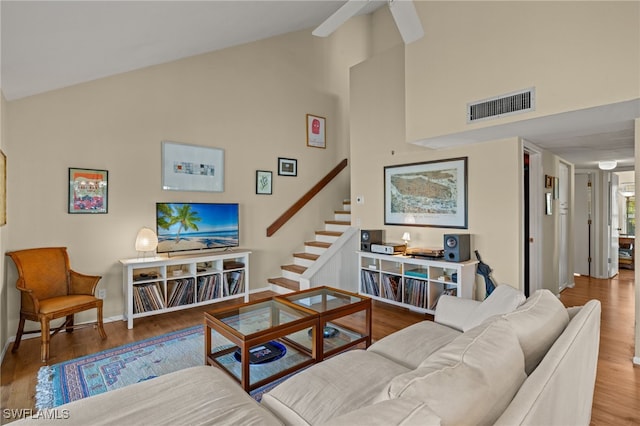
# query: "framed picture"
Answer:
x=192 y=168
x=316 y=131
x=3 y=189
x=88 y=190
x=548 y=206
x=556 y=188
x=548 y=181
x=432 y=193
x=287 y=167
x=264 y=182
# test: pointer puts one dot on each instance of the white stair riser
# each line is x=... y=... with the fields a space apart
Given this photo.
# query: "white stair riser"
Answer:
x=279 y=290
x=302 y=261
x=342 y=217
x=334 y=227
x=314 y=250
x=291 y=275
x=326 y=238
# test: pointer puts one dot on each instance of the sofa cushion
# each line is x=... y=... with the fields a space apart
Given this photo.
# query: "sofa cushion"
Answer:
x=502 y=300
x=405 y=412
x=331 y=388
x=200 y=395
x=412 y=345
x=471 y=380
x=538 y=323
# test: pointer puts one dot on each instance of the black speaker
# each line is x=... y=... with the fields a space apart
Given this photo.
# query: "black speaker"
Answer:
x=368 y=237
x=457 y=247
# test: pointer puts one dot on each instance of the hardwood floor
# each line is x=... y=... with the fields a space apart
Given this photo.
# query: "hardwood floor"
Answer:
x=616 y=398
x=617 y=393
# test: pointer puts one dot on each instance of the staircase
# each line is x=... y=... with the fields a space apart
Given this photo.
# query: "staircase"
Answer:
x=291 y=273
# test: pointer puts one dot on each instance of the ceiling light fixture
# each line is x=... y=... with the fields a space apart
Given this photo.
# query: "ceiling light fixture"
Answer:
x=607 y=165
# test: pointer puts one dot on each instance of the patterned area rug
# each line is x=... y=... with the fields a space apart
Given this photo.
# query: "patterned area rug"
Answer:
x=118 y=367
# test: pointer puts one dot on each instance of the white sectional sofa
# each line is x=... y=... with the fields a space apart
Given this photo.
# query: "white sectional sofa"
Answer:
x=502 y=361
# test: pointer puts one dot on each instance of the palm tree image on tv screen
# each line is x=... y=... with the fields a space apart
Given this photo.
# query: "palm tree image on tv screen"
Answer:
x=196 y=226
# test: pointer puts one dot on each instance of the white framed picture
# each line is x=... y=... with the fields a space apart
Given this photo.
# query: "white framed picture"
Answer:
x=192 y=167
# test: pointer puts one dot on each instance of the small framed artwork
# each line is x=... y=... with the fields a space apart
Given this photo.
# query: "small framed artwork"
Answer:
x=192 y=168
x=556 y=188
x=548 y=181
x=287 y=167
x=88 y=190
x=264 y=182
x=432 y=193
x=316 y=131
x=548 y=206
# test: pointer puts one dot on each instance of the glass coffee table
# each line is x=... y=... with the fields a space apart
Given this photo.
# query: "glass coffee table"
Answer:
x=344 y=318
x=258 y=342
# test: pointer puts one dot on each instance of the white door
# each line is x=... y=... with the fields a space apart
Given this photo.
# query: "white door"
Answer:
x=614 y=224
x=582 y=233
x=563 y=211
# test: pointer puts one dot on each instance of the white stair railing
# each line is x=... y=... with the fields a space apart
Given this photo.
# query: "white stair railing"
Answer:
x=337 y=266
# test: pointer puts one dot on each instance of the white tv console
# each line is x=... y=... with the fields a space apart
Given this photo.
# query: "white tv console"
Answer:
x=163 y=284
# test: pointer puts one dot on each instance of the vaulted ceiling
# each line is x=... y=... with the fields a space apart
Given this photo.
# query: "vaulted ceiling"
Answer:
x=48 y=45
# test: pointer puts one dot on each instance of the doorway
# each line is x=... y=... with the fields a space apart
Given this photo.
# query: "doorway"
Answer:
x=532 y=186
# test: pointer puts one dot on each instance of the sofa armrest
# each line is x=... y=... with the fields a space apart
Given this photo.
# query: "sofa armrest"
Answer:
x=453 y=311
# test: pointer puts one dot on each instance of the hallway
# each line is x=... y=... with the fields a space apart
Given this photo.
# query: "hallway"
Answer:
x=617 y=392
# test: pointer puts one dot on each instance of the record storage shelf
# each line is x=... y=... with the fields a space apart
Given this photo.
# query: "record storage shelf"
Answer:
x=163 y=284
x=414 y=283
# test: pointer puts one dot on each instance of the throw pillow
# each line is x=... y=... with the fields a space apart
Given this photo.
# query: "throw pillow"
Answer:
x=502 y=300
x=538 y=323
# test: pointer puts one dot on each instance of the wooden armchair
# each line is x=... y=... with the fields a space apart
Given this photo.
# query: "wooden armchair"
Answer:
x=49 y=290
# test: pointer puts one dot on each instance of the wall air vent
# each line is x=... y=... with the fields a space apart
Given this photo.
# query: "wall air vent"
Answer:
x=509 y=104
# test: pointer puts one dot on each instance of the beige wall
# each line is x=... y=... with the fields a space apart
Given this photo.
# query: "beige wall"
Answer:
x=377 y=140
x=396 y=98
x=249 y=100
x=576 y=54
x=3 y=283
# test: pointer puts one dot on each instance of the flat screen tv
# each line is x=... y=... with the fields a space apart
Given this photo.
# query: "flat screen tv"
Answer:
x=196 y=226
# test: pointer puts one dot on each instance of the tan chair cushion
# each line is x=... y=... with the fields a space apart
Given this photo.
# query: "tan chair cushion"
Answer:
x=61 y=303
x=469 y=381
x=538 y=323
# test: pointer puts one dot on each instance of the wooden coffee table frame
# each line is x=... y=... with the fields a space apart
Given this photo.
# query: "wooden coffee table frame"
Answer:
x=212 y=321
x=315 y=320
x=326 y=316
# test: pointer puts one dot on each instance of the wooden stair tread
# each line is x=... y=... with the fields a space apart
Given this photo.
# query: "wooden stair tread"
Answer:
x=308 y=256
x=337 y=222
x=329 y=233
x=285 y=282
x=342 y=212
x=320 y=244
x=294 y=268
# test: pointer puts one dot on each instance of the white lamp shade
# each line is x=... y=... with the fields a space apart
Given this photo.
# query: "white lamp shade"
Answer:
x=406 y=236
x=147 y=240
x=607 y=165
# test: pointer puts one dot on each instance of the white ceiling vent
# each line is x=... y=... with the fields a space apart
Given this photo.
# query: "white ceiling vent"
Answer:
x=511 y=103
